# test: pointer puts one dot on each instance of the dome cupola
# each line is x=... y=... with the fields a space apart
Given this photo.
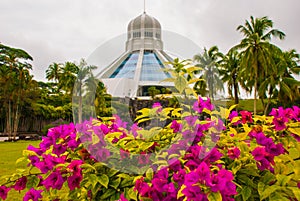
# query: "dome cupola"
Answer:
x=144 y=32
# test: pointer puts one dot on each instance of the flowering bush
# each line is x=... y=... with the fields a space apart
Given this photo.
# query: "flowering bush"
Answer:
x=224 y=157
x=203 y=152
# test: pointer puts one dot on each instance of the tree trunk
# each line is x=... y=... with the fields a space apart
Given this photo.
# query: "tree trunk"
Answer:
x=236 y=94
x=255 y=96
x=80 y=104
x=16 y=122
x=8 y=121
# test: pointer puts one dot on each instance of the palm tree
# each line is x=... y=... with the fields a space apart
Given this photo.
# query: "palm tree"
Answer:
x=85 y=80
x=281 y=83
x=14 y=64
x=209 y=61
x=68 y=77
x=256 y=61
x=54 y=72
x=230 y=72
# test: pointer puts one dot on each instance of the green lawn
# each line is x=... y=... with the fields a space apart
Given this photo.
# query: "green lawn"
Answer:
x=9 y=153
x=246 y=104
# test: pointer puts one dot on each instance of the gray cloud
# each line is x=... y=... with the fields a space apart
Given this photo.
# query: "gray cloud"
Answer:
x=64 y=30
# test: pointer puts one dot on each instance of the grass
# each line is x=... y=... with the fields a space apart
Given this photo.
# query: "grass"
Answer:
x=9 y=153
x=246 y=104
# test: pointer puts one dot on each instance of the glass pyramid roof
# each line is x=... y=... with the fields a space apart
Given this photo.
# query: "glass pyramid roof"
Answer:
x=151 y=69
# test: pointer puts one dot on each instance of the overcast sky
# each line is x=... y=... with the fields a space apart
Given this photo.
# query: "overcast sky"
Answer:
x=67 y=30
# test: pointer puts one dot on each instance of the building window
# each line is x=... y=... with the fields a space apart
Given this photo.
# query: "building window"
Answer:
x=157 y=35
x=136 y=34
x=148 y=34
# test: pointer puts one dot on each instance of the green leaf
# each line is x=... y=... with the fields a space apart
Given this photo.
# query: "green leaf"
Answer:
x=132 y=194
x=246 y=193
x=95 y=138
x=296 y=192
x=103 y=180
x=149 y=174
x=266 y=191
x=180 y=84
x=20 y=160
x=107 y=193
x=214 y=196
x=93 y=179
x=32 y=181
x=115 y=183
x=282 y=180
x=126 y=183
x=88 y=167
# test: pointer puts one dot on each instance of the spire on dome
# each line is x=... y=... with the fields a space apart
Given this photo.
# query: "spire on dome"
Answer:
x=144 y=6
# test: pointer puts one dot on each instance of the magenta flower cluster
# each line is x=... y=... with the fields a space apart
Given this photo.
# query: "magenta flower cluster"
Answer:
x=197 y=164
x=194 y=178
x=51 y=152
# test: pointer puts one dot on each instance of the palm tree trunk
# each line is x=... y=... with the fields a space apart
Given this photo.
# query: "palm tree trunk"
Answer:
x=80 y=104
x=8 y=121
x=16 y=122
x=255 y=96
x=236 y=94
x=269 y=101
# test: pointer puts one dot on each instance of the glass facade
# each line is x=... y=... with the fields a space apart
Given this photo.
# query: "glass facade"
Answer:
x=127 y=68
x=152 y=68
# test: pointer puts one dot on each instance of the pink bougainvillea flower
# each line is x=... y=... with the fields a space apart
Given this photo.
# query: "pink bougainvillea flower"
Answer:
x=33 y=195
x=101 y=154
x=74 y=166
x=259 y=153
x=159 y=183
x=177 y=127
x=174 y=165
x=246 y=117
x=59 y=149
x=261 y=139
x=142 y=187
x=208 y=104
x=191 y=178
x=54 y=180
x=200 y=104
x=124 y=154
x=275 y=150
x=157 y=106
x=296 y=115
x=232 y=115
x=122 y=198
x=134 y=129
x=194 y=193
x=34 y=160
x=3 y=192
x=190 y=120
x=38 y=151
x=203 y=172
x=43 y=166
x=234 y=153
x=192 y=164
x=179 y=177
x=144 y=158
x=280 y=123
x=74 y=181
x=213 y=155
x=20 y=184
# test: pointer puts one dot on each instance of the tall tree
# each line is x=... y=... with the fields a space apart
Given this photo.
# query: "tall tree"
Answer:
x=54 y=72
x=209 y=61
x=14 y=63
x=281 y=83
x=230 y=73
x=256 y=61
x=86 y=86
